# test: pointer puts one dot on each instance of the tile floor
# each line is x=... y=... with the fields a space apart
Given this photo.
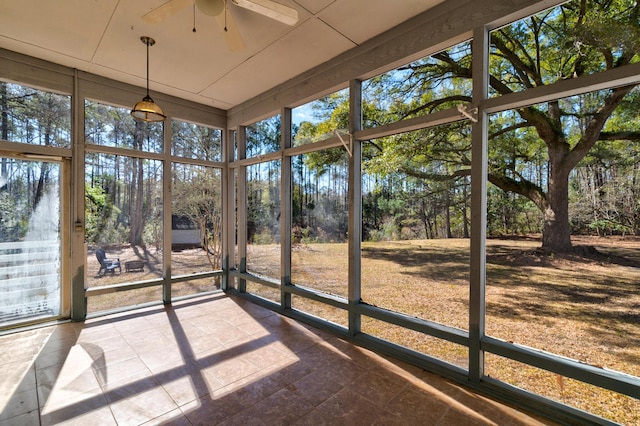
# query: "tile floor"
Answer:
x=220 y=360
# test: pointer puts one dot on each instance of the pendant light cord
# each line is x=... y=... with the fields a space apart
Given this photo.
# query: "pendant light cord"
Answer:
x=147 y=110
x=147 y=43
x=194 y=17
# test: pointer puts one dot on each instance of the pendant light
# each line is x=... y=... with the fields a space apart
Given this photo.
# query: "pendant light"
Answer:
x=146 y=109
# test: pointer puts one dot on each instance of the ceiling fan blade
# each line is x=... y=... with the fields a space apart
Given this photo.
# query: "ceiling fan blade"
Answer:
x=164 y=11
x=231 y=34
x=270 y=9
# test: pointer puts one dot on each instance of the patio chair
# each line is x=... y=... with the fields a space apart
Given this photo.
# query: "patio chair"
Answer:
x=107 y=265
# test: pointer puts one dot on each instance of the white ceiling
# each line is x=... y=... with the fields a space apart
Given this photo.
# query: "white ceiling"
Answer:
x=103 y=37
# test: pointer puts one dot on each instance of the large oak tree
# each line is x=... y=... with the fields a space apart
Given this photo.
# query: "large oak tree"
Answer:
x=577 y=38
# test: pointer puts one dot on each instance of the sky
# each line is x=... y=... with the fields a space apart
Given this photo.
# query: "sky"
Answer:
x=302 y=113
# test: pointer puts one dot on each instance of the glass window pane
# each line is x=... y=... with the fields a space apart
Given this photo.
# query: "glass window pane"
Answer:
x=611 y=405
x=114 y=126
x=320 y=310
x=235 y=261
x=266 y=292
x=234 y=147
x=34 y=117
x=124 y=299
x=263 y=137
x=123 y=215
x=573 y=39
x=563 y=253
x=416 y=223
x=195 y=286
x=263 y=219
x=195 y=141
x=320 y=213
x=430 y=84
x=320 y=119
x=30 y=285
x=452 y=353
x=196 y=219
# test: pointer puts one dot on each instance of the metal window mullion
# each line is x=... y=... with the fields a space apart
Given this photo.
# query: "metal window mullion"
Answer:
x=166 y=211
x=78 y=252
x=355 y=206
x=285 y=210
x=477 y=305
x=242 y=208
x=228 y=209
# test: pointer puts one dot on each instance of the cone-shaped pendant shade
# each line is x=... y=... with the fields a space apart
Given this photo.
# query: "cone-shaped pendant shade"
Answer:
x=146 y=109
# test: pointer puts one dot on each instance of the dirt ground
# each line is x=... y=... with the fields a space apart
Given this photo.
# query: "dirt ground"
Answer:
x=183 y=262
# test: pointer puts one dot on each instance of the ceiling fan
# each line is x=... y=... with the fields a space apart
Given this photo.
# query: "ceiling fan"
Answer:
x=218 y=9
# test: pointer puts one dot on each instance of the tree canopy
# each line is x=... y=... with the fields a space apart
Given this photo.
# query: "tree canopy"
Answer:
x=534 y=151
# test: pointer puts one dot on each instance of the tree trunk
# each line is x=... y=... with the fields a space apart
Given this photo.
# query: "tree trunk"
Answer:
x=136 y=216
x=447 y=214
x=556 y=234
x=465 y=219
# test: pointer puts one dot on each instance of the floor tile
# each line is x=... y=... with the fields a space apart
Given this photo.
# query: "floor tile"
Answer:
x=61 y=343
x=23 y=351
x=343 y=371
x=210 y=411
x=16 y=376
x=95 y=332
x=414 y=404
x=186 y=383
x=144 y=405
x=378 y=387
x=51 y=358
x=172 y=418
x=282 y=408
x=97 y=417
x=205 y=344
x=65 y=406
x=228 y=370
x=221 y=361
x=245 y=419
x=74 y=381
x=252 y=389
x=27 y=419
x=19 y=403
x=315 y=388
x=154 y=357
x=113 y=374
x=345 y=408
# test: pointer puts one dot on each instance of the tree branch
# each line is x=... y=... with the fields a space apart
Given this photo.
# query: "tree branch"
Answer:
x=504 y=130
x=437 y=102
x=436 y=177
x=523 y=70
x=594 y=128
x=525 y=188
x=620 y=136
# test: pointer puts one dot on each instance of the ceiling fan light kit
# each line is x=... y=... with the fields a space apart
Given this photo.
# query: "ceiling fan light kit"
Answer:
x=210 y=7
x=146 y=109
x=219 y=9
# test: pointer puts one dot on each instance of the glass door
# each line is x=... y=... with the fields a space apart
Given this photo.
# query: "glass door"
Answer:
x=30 y=241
